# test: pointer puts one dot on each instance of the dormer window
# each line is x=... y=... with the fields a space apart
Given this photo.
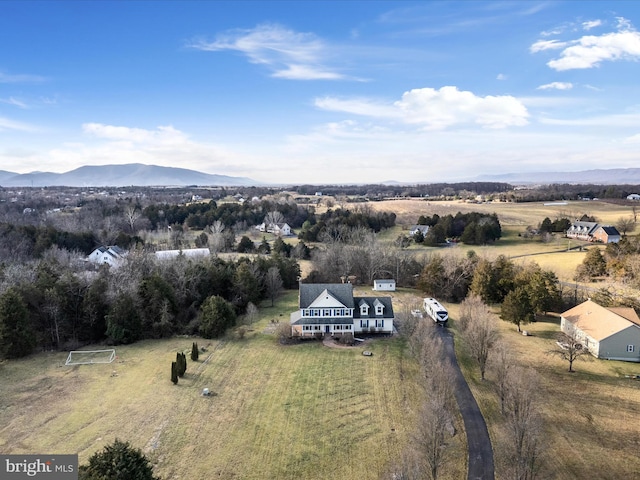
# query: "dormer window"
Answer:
x=379 y=307
x=364 y=308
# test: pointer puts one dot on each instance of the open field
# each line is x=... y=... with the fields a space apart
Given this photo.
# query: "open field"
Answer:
x=514 y=219
x=590 y=416
x=286 y=412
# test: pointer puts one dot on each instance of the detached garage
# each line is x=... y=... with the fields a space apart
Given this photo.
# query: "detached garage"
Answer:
x=384 y=285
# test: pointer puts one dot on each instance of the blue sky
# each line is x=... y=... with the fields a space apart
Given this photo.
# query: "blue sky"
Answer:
x=321 y=92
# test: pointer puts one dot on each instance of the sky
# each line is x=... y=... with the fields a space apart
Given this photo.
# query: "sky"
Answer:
x=344 y=92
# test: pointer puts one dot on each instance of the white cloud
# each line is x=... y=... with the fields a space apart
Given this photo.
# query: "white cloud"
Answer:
x=8 y=124
x=591 y=50
x=359 y=106
x=448 y=106
x=633 y=139
x=163 y=135
x=289 y=54
x=591 y=24
x=542 y=45
x=501 y=76
x=556 y=86
x=438 y=109
x=14 y=101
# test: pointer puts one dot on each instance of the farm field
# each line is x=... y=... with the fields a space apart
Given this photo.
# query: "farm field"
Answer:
x=286 y=412
x=514 y=219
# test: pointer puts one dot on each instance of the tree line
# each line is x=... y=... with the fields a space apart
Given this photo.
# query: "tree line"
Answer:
x=471 y=228
x=46 y=304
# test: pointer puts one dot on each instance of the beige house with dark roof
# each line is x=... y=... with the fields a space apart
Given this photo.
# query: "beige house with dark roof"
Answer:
x=608 y=333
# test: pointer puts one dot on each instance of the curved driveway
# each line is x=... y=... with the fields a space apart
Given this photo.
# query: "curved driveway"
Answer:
x=479 y=444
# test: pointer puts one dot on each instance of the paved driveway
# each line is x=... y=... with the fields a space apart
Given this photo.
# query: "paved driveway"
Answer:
x=478 y=441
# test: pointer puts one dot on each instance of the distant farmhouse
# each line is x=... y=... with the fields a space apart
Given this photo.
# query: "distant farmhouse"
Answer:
x=593 y=232
x=280 y=229
x=112 y=256
x=331 y=309
x=633 y=196
x=608 y=333
x=418 y=228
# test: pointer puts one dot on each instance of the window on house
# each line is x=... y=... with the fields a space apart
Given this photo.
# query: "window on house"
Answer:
x=326 y=312
x=630 y=348
x=364 y=323
x=307 y=327
x=379 y=309
x=380 y=323
x=364 y=310
x=347 y=327
x=316 y=327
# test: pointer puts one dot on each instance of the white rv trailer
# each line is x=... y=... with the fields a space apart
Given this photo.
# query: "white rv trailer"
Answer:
x=436 y=311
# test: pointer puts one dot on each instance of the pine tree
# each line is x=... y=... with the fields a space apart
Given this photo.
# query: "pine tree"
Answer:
x=194 y=352
x=174 y=373
x=118 y=461
x=181 y=363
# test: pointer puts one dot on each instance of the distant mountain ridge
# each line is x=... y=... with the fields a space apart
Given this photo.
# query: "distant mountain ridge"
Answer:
x=607 y=176
x=132 y=174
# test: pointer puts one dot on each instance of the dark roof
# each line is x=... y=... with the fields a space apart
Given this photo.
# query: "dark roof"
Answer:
x=610 y=230
x=387 y=312
x=343 y=292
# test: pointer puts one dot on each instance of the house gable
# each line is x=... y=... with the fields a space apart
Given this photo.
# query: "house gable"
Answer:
x=325 y=299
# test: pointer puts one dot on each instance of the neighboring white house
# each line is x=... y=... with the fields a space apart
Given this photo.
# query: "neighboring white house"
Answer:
x=331 y=309
x=282 y=229
x=608 y=333
x=112 y=256
x=384 y=285
x=418 y=228
x=187 y=252
x=633 y=196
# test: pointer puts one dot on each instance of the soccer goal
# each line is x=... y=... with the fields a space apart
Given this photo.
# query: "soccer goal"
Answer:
x=84 y=357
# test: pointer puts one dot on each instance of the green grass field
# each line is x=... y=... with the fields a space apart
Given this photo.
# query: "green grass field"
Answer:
x=286 y=412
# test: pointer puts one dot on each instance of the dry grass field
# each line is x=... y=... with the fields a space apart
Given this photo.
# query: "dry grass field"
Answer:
x=287 y=412
x=590 y=416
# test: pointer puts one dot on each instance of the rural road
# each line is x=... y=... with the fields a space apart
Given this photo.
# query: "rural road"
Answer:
x=478 y=441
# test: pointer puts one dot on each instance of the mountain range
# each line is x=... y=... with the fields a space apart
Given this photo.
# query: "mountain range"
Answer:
x=132 y=174
x=609 y=176
x=137 y=174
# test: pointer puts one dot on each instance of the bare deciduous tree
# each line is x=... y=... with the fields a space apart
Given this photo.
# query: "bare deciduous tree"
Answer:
x=569 y=347
x=479 y=330
x=251 y=314
x=502 y=364
x=131 y=215
x=625 y=225
x=273 y=218
x=273 y=283
x=523 y=424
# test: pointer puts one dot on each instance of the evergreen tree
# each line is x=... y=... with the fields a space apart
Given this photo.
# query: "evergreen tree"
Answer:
x=216 y=315
x=181 y=364
x=17 y=339
x=174 y=373
x=194 y=352
x=516 y=307
x=123 y=321
x=118 y=461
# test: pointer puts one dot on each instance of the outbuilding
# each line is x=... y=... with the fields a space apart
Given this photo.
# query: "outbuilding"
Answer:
x=384 y=285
